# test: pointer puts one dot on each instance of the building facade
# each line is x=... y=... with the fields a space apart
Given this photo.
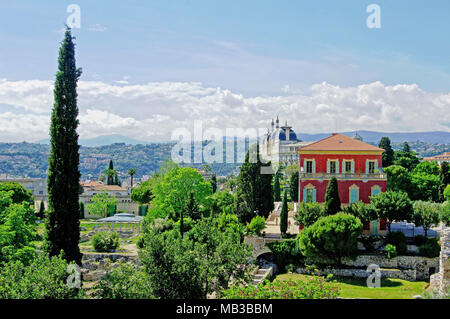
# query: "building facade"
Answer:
x=280 y=144
x=37 y=187
x=355 y=164
x=122 y=195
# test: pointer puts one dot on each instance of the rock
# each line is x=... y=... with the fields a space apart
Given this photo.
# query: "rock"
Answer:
x=94 y=275
x=417 y=297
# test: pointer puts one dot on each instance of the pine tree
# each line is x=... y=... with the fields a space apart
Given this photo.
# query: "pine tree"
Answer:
x=284 y=215
x=406 y=148
x=293 y=187
x=444 y=176
x=332 y=201
x=388 y=154
x=62 y=223
x=276 y=188
x=254 y=190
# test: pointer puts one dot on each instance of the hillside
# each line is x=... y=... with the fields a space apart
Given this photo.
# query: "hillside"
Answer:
x=28 y=159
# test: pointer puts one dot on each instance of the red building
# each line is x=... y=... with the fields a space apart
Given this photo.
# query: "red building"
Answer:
x=355 y=164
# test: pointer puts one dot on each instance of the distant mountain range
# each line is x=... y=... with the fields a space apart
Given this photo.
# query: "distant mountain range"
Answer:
x=437 y=137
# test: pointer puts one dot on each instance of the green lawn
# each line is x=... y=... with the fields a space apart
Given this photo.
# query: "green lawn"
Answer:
x=357 y=288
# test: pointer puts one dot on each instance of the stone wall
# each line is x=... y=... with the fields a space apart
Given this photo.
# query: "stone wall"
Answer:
x=440 y=282
x=406 y=274
x=422 y=266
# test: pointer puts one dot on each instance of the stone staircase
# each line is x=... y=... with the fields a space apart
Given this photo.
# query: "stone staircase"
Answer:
x=261 y=274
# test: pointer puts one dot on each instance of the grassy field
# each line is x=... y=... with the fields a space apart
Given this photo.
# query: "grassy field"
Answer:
x=357 y=288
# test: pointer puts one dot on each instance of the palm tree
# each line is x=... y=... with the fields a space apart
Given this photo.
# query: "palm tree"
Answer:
x=131 y=172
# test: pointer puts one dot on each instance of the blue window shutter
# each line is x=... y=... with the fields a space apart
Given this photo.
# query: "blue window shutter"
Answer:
x=353 y=167
x=376 y=166
x=314 y=166
x=375 y=192
x=328 y=167
x=367 y=167
x=353 y=196
x=304 y=195
x=314 y=195
x=337 y=167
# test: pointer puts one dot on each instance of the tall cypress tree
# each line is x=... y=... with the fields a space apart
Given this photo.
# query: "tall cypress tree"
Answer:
x=254 y=190
x=62 y=222
x=332 y=201
x=293 y=187
x=213 y=182
x=444 y=176
x=276 y=188
x=284 y=214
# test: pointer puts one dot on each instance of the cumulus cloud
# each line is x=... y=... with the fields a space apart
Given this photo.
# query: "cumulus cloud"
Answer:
x=152 y=111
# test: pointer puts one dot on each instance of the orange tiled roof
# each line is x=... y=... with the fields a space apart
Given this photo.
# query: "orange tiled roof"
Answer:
x=339 y=142
x=99 y=186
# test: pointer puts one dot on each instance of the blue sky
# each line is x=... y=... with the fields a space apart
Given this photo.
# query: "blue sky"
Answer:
x=215 y=42
x=255 y=52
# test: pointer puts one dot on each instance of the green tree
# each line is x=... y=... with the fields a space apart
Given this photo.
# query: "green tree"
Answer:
x=388 y=154
x=284 y=214
x=426 y=214
x=444 y=213
x=102 y=204
x=256 y=225
x=332 y=237
x=309 y=213
x=365 y=212
x=16 y=235
x=143 y=193
x=447 y=193
x=332 y=203
x=429 y=168
x=124 y=282
x=171 y=193
x=254 y=193
x=44 y=278
x=392 y=206
x=399 y=179
x=293 y=186
x=444 y=178
x=426 y=187
x=276 y=187
x=406 y=158
x=62 y=224
x=131 y=172
x=19 y=193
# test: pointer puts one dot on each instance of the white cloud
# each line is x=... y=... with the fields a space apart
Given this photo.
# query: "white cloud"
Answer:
x=151 y=111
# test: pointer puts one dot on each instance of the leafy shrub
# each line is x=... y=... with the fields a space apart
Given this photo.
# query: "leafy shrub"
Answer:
x=398 y=239
x=256 y=225
x=420 y=240
x=391 y=251
x=124 y=282
x=44 y=278
x=309 y=213
x=430 y=249
x=285 y=253
x=105 y=241
x=309 y=288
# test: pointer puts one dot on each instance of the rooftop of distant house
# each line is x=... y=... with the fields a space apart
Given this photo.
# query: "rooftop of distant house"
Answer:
x=340 y=142
x=100 y=186
x=441 y=157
